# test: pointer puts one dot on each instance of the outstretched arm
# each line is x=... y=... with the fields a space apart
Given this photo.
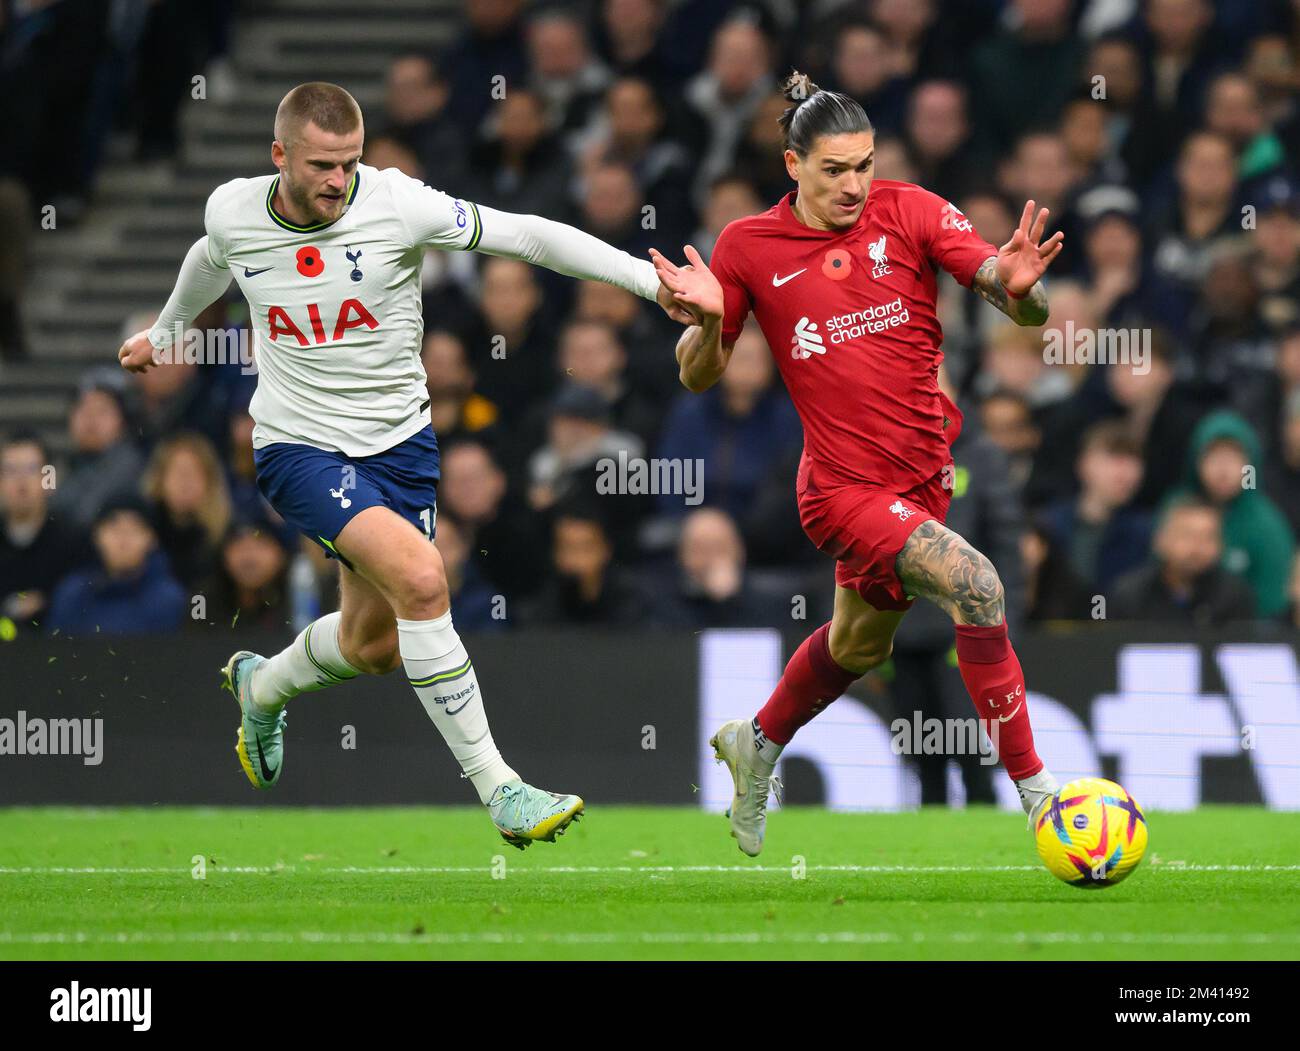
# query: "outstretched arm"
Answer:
x=198 y=285
x=701 y=354
x=568 y=250
x=1010 y=279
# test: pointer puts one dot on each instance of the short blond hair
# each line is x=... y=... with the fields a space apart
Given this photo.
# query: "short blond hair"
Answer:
x=328 y=106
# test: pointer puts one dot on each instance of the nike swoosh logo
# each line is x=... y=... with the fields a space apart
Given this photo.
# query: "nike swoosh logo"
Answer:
x=268 y=773
x=777 y=282
x=254 y=273
x=449 y=711
x=1004 y=718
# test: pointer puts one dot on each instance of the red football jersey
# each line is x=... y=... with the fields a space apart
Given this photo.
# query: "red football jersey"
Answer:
x=850 y=318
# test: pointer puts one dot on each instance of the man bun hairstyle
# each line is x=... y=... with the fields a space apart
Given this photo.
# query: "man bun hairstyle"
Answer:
x=328 y=106
x=816 y=112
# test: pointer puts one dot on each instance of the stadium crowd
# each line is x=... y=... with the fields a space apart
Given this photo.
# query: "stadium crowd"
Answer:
x=1164 y=135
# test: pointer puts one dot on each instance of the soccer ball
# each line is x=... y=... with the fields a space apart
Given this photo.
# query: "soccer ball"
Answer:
x=1092 y=835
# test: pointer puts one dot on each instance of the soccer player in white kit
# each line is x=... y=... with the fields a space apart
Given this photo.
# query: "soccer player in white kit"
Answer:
x=328 y=255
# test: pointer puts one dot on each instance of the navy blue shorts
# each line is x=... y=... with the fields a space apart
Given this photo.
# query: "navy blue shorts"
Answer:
x=319 y=492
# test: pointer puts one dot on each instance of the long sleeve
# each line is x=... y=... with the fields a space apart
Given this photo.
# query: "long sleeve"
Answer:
x=565 y=250
x=199 y=283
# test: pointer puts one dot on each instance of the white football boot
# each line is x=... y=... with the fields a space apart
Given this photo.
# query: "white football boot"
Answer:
x=734 y=745
x=1036 y=794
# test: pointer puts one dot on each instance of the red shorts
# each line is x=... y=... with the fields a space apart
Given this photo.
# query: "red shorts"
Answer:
x=864 y=528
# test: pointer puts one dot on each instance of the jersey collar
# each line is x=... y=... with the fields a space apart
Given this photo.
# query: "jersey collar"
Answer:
x=281 y=221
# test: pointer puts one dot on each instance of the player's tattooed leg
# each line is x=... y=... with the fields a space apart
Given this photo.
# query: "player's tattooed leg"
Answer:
x=940 y=565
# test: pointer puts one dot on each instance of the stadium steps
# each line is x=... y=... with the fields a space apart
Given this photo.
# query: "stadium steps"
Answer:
x=123 y=257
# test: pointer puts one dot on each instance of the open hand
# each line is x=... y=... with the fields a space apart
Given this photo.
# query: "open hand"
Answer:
x=1022 y=260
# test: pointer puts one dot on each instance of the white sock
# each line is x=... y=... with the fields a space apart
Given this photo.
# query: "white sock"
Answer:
x=443 y=676
x=768 y=750
x=312 y=661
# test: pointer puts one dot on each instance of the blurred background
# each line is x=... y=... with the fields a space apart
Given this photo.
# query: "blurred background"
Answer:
x=1164 y=135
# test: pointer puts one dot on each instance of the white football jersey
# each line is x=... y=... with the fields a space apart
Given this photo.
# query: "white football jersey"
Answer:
x=335 y=308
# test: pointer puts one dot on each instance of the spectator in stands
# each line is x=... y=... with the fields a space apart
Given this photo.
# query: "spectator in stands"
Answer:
x=104 y=461
x=1183 y=232
x=862 y=67
x=455 y=409
x=578 y=436
x=1100 y=532
x=177 y=393
x=36 y=549
x=612 y=208
x=585 y=587
x=1137 y=139
x=1223 y=464
x=921 y=39
x=739 y=428
x=130 y=591
x=713 y=589
x=1053 y=591
x=515 y=367
x=1186 y=582
x=1231 y=343
x=190 y=505
x=1158 y=413
x=518 y=165
x=646 y=335
x=1180 y=56
x=591 y=354
x=416 y=113
x=565 y=73
x=732 y=196
x=503 y=534
x=1276 y=243
x=940 y=140
x=1083 y=131
x=633 y=42
x=760 y=154
x=388 y=151
x=1233 y=109
x=1038 y=44
x=251 y=585
x=725 y=95
x=491 y=45
x=637 y=133
x=1112 y=262
x=477 y=608
x=1009 y=423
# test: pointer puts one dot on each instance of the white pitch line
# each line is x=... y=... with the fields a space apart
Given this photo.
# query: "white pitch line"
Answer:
x=443 y=870
x=1025 y=938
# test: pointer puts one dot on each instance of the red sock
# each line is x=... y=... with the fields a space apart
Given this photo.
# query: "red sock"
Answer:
x=992 y=675
x=811 y=681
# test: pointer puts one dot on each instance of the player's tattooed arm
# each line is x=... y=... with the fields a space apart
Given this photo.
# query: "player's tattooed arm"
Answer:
x=1031 y=309
x=1010 y=280
x=943 y=567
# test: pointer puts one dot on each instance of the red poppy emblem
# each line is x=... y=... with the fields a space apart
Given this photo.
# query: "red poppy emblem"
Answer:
x=837 y=264
x=310 y=264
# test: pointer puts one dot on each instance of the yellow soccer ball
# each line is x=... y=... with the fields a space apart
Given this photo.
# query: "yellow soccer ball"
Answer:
x=1092 y=835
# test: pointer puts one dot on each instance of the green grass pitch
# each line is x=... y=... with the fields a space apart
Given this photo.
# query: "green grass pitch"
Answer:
x=628 y=883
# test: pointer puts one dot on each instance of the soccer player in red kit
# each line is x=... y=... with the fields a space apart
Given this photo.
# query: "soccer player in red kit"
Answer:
x=841 y=277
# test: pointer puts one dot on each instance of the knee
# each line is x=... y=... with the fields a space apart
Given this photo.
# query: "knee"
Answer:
x=375 y=655
x=422 y=593
x=981 y=599
x=859 y=654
